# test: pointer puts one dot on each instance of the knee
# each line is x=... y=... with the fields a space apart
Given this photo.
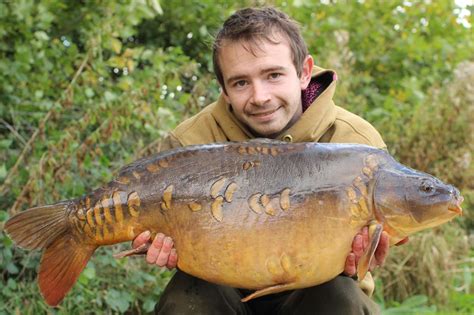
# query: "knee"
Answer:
x=186 y=294
x=341 y=295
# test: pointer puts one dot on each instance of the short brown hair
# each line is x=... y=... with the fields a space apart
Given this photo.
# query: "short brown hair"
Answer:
x=255 y=24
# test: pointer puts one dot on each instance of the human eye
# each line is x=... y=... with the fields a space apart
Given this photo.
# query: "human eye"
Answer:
x=240 y=83
x=274 y=75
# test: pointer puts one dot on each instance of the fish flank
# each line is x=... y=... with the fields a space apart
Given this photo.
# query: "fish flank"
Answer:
x=216 y=209
x=167 y=196
x=98 y=214
x=229 y=192
x=285 y=199
x=89 y=218
x=106 y=208
x=133 y=203
x=117 y=202
x=217 y=186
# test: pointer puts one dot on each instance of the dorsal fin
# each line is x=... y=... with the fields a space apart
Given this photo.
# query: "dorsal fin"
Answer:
x=265 y=141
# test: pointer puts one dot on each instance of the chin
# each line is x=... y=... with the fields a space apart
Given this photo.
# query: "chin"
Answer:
x=268 y=133
x=267 y=130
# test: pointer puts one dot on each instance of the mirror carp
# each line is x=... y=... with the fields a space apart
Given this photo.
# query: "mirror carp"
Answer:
x=262 y=215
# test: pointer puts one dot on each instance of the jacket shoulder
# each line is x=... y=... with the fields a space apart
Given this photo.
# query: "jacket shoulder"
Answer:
x=199 y=129
x=350 y=128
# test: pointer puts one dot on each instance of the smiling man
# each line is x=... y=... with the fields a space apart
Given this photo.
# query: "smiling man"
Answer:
x=262 y=84
x=270 y=88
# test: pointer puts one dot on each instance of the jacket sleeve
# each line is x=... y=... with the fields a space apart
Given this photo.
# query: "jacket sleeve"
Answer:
x=350 y=128
x=167 y=143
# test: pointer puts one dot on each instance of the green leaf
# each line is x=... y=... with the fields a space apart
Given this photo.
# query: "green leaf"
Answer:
x=116 y=45
x=41 y=35
x=12 y=268
x=5 y=143
x=415 y=301
x=7 y=242
x=118 y=300
x=39 y=94
x=3 y=171
x=109 y=96
x=89 y=92
x=89 y=273
x=149 y=305
x=3 y=215
x=12 y=284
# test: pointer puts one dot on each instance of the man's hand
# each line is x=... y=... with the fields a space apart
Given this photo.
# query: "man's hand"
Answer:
x=359 y=245
x=161 y=251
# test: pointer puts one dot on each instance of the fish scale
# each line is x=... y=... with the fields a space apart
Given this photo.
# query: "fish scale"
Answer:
x=262 y=215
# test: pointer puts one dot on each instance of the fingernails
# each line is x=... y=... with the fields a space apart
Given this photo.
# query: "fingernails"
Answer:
x=168 y=241
x=147 y=233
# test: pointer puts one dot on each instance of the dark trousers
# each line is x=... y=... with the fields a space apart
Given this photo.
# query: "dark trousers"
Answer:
x=186 y=294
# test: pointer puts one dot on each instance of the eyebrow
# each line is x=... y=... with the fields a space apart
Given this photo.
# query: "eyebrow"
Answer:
x=263 y=71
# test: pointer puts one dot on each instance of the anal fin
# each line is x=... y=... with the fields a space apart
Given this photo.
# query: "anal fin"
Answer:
x=61 y=264
x=269 y=290
x=375 y=232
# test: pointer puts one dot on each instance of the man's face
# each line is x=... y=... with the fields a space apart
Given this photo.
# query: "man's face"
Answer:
x=263 y=87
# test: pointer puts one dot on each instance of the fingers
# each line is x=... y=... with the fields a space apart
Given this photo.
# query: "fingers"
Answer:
x=382 y=249
x=161 y=252
x=358 y=247
x=141 y=239
x=350 y=267
x=172 y=260
x=365 y=237
x=155 y=248
x=162 y=259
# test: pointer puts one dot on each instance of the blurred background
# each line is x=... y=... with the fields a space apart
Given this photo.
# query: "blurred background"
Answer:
x=89 y=86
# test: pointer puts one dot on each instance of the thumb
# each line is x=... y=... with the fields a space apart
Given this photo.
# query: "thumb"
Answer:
x=141 y=239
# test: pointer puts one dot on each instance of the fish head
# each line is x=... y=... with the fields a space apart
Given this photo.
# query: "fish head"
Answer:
x=409 y=201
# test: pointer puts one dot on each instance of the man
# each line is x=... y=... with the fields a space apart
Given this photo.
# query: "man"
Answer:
x=270 y=88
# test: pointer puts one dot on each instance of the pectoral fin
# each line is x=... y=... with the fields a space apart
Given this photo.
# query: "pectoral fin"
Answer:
x=270 y=290
x=140 y=250
x=375 y=232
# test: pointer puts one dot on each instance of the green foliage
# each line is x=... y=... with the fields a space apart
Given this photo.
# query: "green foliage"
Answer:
x=416 y=304
x=87 y=87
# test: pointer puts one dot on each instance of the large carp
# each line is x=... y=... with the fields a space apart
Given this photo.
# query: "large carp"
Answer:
x=259 y=215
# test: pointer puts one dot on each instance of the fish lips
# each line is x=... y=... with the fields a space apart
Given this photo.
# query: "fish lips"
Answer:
x=455 y=206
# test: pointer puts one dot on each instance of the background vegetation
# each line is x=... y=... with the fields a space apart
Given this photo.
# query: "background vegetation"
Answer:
x=88 y=86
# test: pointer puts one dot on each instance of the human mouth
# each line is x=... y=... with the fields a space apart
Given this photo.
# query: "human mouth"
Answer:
x=264 y=115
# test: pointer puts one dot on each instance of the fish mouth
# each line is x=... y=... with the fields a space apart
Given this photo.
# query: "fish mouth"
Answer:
x=456 y=206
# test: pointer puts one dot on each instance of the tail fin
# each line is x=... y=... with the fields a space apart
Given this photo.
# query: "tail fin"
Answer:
x=64 y=257
x=37 y=227
x=61 y=265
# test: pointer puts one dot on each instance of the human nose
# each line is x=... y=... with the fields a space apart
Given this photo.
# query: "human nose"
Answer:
x=260 y=94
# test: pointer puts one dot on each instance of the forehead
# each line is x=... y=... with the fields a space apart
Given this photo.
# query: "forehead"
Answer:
x=236 y=57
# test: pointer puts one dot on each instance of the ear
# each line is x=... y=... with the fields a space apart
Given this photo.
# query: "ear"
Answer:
x=306 y=72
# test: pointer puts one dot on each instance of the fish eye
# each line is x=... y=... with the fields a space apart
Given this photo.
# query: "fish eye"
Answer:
x=427 y=187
